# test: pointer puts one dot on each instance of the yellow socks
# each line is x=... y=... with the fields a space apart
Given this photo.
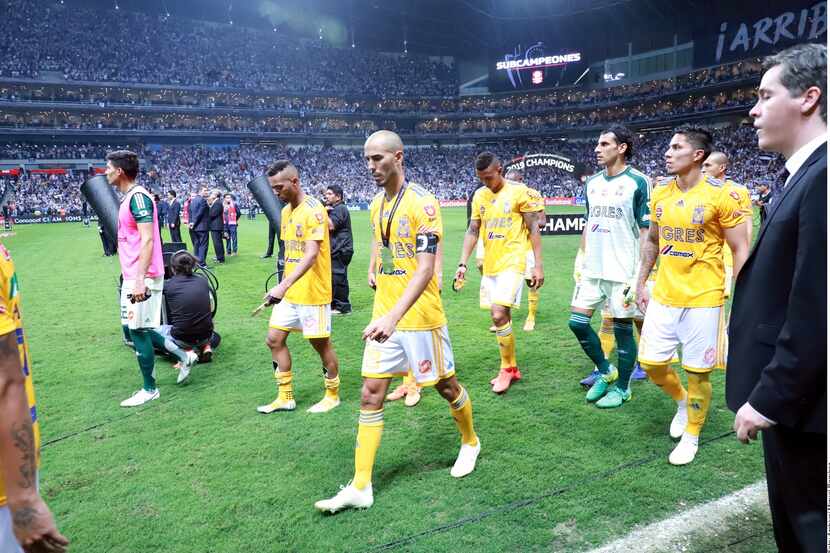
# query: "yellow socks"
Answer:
x=286 y=389
x=697 y=404
x=532 y=303
x=507 y=345
x=606 y=336
x=332 y=386
x=665 y=377
x=461 y=409
x=369 y=431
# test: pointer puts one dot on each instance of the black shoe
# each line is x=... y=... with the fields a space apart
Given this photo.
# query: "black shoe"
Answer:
x=266 y=256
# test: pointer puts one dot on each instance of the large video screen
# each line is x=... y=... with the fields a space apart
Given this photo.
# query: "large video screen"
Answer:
x=528 y=67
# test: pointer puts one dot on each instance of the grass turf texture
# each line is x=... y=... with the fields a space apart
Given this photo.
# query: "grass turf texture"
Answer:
x=200 y=470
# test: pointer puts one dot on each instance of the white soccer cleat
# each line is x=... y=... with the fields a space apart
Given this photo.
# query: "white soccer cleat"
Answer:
x=324 y=405
x=140 y=398
x=184 y=367
x=277 y=405
x=347 y=497
x=466 y=461
x=678 y=423
x=685 y=451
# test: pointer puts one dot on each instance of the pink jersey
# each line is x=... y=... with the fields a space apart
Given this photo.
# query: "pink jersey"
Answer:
x=129 y=240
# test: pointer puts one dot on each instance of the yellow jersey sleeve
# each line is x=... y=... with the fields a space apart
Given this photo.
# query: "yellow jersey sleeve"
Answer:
x=530 y=201
x=317 y=223
x=730 y=209
x=428 y=216
x=7 y=322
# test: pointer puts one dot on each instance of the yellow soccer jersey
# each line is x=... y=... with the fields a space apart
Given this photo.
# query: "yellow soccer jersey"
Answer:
x=691 y=228
x=743 y=199
x=418 y=213
x=308 y=222
x=505 y=236
x=10 y=321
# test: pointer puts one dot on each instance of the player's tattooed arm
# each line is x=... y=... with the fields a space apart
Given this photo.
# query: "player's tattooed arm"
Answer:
x=531 y=221
x=648 y=257
x=17 y=443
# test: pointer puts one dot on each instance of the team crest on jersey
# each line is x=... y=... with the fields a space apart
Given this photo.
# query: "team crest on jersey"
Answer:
x=403 y=227
x=620 y=190
x=698 y=215
x=319 y=217
x=506 y=207
x=429 y=209
x=735 y=196
x=425 y=366
x=658 y=211
x=299 y=231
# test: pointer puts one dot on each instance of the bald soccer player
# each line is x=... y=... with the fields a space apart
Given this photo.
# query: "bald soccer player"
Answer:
x=408 y=327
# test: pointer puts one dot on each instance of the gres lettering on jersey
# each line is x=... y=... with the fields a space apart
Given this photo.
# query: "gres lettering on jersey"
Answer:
x=417 y=213
x=309 y=221
x=691 y=228
x=617 y=208
x=11 y=321
x=505 y=236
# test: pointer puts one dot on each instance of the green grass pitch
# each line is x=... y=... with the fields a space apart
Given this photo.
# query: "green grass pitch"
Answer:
x=201 y=471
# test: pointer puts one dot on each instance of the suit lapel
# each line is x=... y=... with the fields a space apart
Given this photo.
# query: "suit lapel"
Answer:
x=794 y=181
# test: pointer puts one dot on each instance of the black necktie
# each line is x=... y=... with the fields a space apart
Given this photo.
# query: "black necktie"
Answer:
x=778 y=188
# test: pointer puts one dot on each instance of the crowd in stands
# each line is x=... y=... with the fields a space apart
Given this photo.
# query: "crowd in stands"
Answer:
x=563 y=98
x=446 y=170
x=39 y=36
x=143 y=121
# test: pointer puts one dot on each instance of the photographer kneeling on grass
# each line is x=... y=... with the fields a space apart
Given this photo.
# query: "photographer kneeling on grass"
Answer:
x=190 y=323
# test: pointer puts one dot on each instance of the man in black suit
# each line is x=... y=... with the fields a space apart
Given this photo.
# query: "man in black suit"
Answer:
x=174 y=220
x=777 y=376
x=216 y=225
x=198 y=216
x=342 y=249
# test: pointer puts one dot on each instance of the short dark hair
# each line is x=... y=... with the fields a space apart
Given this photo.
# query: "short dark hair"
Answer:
x=125 y=160
x=485 y=160
x=803 y=66
x=623 y=136
x=172 y=193
x=183 y=263
x=336 y=189
x=278 y=167
x=698 y=137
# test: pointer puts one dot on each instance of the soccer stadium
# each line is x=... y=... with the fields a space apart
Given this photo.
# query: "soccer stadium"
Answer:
x=562 y=266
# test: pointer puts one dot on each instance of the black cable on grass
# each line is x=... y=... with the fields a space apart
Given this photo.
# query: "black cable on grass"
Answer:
x=521 y=503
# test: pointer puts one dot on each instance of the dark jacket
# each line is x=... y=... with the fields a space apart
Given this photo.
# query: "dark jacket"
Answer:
x=173 y=213
x=198 y=213
x=341 y=234
x=216 y=221
x=778 y=327
x=187 y=303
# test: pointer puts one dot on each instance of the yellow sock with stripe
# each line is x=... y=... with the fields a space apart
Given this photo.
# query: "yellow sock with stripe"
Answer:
x=369 y=431
x=665 y=377
x=461 y=409
x=507 y=345
x=332 y=386
x=697 y=404
x=606 y=336
x=286 y=389
x=532 y=303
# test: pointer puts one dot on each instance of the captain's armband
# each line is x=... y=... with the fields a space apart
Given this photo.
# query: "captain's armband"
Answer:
x=426 y=243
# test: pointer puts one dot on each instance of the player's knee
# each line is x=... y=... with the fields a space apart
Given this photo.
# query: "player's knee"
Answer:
x=371 y=395
x=448 y=388
x=500 y=316
x=273 y=340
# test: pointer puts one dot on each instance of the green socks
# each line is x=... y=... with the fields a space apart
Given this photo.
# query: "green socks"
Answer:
x=580 y=325
x=146 y=356
x=626 y=351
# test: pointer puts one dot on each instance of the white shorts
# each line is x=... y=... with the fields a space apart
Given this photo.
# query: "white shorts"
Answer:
x=8 y=543
x=314 y=321
x=145 y=314
x=427 y=352
x=593 y=293
x=697 y=331
x=501 y=289
x=480 y=250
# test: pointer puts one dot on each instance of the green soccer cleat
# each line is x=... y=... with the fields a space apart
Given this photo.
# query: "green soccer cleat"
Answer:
x=601 y=385
x=613 y=398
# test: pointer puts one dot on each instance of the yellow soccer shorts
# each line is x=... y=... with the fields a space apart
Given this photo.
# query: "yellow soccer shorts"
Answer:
x=427 y=352
x=314 y=321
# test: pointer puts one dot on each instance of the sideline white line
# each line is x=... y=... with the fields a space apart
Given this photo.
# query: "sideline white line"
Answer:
x=673 y=533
